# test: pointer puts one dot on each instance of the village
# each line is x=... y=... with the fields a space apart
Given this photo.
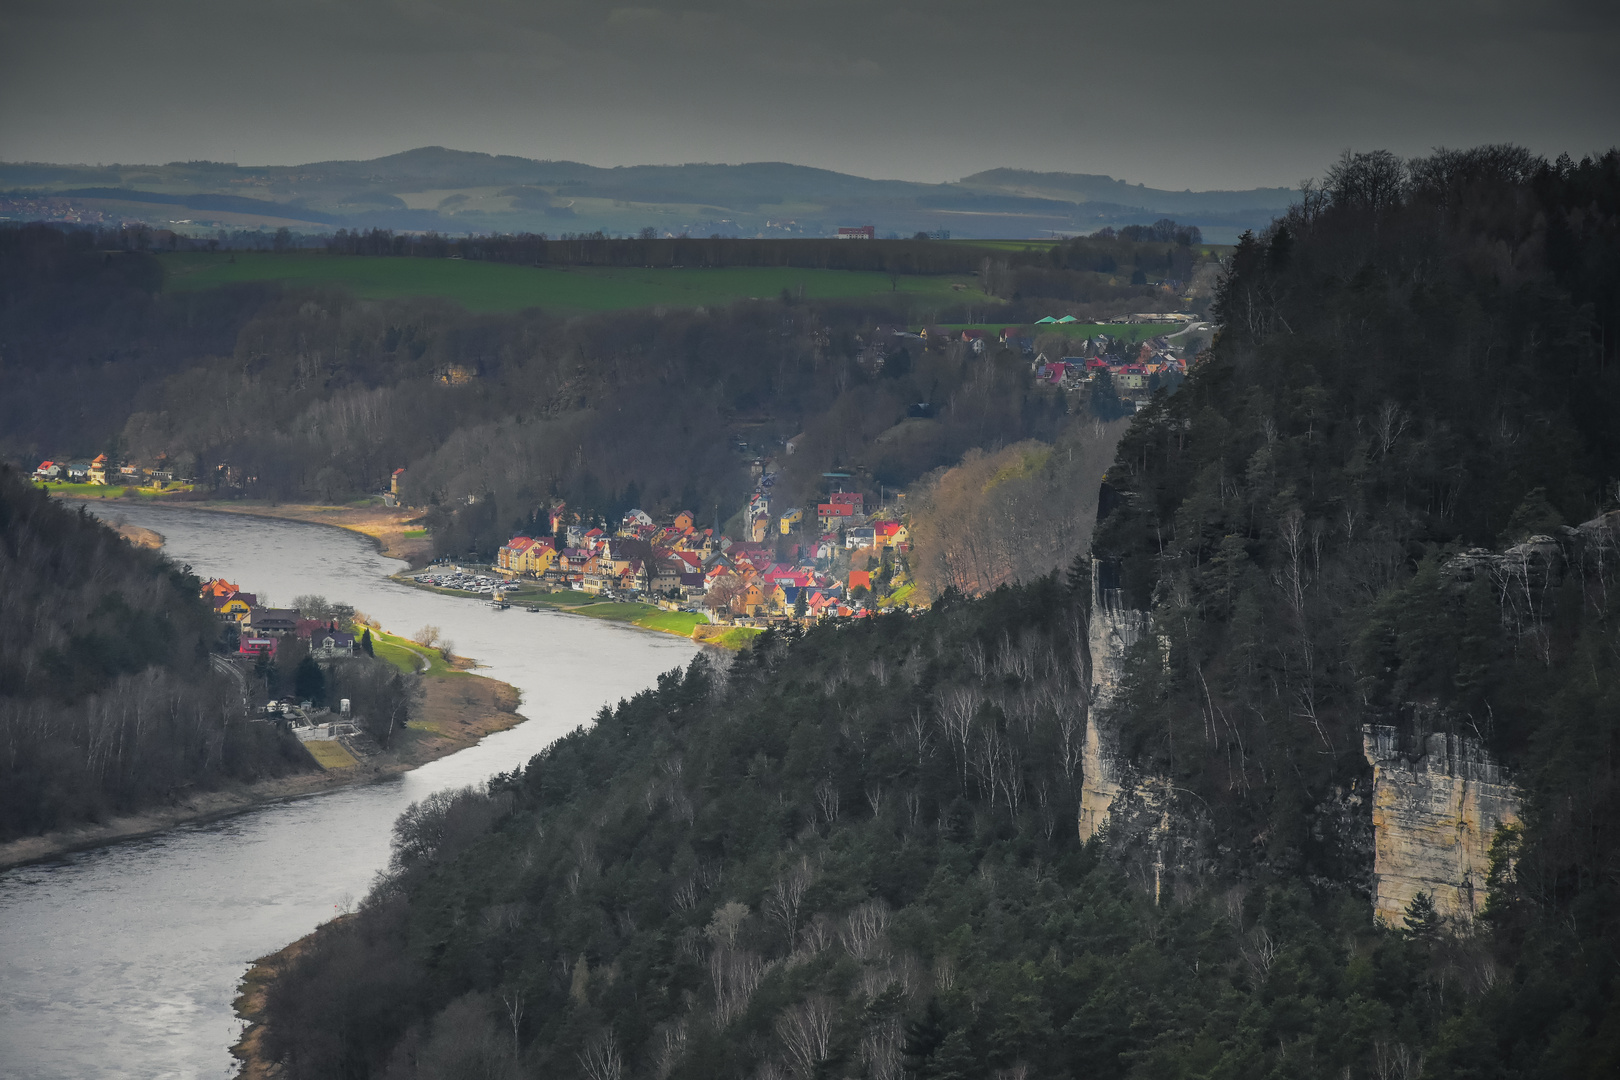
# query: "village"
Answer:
x=101 y=472
x=801 y=565
x=1133 y=370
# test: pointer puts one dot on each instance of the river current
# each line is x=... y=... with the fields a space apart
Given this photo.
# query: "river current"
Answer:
x=122 y=961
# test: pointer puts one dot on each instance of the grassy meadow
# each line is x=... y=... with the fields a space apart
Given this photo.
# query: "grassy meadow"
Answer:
x=486 y=286
x=1129 y=332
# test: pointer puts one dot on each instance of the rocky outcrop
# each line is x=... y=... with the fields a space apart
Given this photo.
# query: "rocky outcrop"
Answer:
x=1437 y=804
x=1114 y=628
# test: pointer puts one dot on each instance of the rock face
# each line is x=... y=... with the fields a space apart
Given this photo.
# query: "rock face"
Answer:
x=1437 y=804
x=1113 y=629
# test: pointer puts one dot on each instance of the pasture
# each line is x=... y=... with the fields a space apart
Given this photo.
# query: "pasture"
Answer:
x=1130 y=333
x=490 y=287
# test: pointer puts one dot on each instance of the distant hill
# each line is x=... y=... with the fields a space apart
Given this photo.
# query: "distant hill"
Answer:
x=1084 y=188
x=433 y=188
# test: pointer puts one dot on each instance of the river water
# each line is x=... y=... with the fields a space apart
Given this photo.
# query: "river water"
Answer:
x=122 y=961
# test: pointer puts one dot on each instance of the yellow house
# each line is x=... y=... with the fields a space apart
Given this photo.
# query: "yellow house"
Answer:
x=538 y=559
x=235 y=608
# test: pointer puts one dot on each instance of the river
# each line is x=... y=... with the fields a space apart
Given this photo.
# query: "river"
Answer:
x=122 y=961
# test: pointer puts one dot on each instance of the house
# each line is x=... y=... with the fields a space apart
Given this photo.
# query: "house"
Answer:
x=863 y=537
x=791 y=520
x=234 y=608
x=890 y=533
x=860 y=579
x=48 y=470
x=685 y=522
x=332 y=644
x=751 y=600
x=857 y=232
x=257 y=646
x=794 y=443
x=538 y=559
x=77 y=471
x=217 y=589
x=267 y=622
x=514 y=553
x=98 y=469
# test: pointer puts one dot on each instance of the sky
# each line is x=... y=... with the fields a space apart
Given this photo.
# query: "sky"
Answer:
x=1171 y=93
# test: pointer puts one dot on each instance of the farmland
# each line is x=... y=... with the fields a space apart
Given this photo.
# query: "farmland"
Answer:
x=1127 y=332
x=489 y=286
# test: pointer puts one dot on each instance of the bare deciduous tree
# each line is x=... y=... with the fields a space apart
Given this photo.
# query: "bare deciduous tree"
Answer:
x=806 y=1033
x=861 y=932
x=786 y=893
x=601 y=1060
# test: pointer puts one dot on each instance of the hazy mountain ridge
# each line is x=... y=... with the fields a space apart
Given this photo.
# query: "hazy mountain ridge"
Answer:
x=484 y=192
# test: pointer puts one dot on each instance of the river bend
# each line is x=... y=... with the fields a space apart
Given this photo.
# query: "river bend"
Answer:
x=122 y=961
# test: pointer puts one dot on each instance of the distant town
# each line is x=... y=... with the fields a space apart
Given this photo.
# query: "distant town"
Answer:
x=798 y=564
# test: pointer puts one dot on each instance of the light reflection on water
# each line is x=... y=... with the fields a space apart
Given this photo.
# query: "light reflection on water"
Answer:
x=122 y=961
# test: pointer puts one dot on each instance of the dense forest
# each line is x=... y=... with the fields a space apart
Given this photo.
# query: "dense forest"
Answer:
x=108 y=702
x=854 y=852
x=283 y=393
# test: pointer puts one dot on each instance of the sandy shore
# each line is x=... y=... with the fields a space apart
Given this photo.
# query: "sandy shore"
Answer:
x=456 y=711
x=138 y=536
x=385 y=524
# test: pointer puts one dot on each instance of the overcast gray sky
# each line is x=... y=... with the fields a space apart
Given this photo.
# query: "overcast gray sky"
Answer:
x=1172 y=93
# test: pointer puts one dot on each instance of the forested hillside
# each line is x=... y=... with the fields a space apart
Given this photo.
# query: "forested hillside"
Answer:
x=856 y=853
x=297 y=394
x=107 y=699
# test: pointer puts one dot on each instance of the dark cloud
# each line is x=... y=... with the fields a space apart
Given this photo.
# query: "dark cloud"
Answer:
x=1170 y=92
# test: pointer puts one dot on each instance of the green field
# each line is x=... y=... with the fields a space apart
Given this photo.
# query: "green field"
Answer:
x=408 y=655
x=1131 y=332
x=646 y=616
x=485 y=286
x=330 y=754
x=1009 y=245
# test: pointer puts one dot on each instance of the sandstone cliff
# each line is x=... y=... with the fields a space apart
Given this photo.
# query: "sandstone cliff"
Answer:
x=1113 y=629
x=1436 y=808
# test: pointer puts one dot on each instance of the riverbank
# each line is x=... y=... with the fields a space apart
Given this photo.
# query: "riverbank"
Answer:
x=396 y=530
x=249 y=1005
x=455 y=712
x=683 y=624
